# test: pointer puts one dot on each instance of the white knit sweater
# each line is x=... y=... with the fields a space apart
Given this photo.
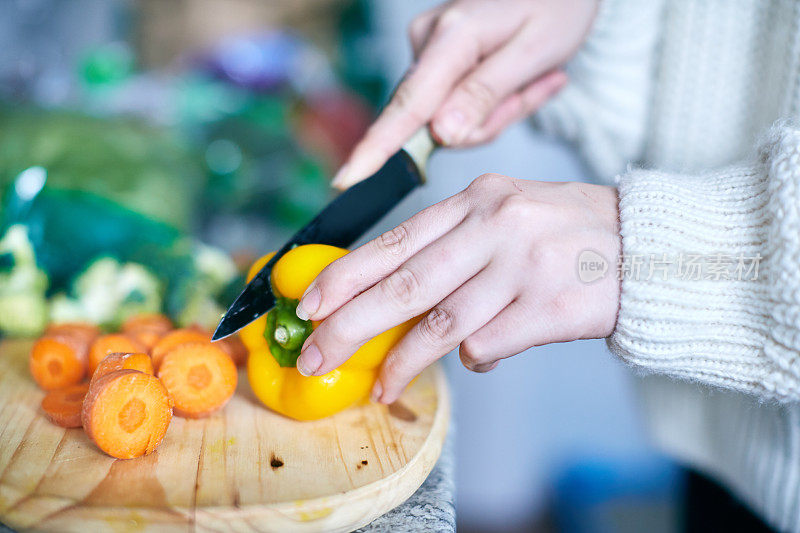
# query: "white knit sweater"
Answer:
x=702 y=97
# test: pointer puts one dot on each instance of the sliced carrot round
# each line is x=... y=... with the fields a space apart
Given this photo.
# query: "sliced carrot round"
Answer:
x=126 y=413
x=200 y=378
x=123 y=361
x=146 y=336
x=174 y=339
x=235 y=348
x=153 y=321
x=147 y=328
x=58 y=361
x=113 y=343
x=63 y=406
x=84 y=330
x=80 y=335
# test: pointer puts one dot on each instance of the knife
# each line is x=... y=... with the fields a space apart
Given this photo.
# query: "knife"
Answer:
x=341 y=223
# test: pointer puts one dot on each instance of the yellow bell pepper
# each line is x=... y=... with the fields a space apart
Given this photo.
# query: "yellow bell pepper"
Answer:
x=274 y=343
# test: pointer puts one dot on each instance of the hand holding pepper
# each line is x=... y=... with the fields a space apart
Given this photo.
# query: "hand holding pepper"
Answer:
x=494 y=270
x=274 y=340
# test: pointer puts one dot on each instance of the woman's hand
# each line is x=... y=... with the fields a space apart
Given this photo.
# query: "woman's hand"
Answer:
x=495 y=269
x=480 y=65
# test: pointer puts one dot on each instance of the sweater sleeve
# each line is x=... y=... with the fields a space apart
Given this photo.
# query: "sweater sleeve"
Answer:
x=604 y=108
x=711 y=273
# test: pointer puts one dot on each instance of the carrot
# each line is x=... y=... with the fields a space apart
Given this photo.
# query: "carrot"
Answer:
x=146 y=336
x=174 y=339
x=147 y=328
x=87 y=332
x=123 y=361
x=147 y=320
x=200 y=378
x=112 y=343
x=63 y=406
x=81 y=333
x=126 y=413
x=58 y=361
x=235 y=349
x=232 y=345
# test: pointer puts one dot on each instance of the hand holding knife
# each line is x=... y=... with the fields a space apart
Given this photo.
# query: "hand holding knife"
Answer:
x=341 y=223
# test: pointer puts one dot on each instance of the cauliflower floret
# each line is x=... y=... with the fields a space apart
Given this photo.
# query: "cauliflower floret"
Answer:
x=23 y=305
x=108 y=292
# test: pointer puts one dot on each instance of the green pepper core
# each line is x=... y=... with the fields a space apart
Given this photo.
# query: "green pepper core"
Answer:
x=285 y=333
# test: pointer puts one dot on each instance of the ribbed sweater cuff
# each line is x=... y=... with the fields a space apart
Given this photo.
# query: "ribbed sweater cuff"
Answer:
x=726 y=328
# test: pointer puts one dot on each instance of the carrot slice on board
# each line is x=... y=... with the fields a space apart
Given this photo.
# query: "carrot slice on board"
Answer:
x=200 y=378
x=63 y=406
x=126 y=413
x=174 y=339
x=123 y=361
x=112 y=343
x=58 y=361
x=86 y=331
x=147 y=328
x=82 y=334
x=147 y=320
x=146 y=336
x=235 y=348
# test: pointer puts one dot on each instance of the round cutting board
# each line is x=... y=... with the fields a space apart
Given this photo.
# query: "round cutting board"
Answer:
x=242 y=469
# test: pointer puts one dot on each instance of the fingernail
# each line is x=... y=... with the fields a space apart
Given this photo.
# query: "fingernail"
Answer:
x=377 y=391
x=309 y=361
x=341 y=177
x=449 y=127
x=486 y=367
x=309 y=302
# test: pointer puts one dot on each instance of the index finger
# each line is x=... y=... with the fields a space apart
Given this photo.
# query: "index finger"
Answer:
x=368 y=264
x=447 y=57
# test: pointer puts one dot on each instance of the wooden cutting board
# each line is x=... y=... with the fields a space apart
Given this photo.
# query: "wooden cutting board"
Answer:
x=243 y=469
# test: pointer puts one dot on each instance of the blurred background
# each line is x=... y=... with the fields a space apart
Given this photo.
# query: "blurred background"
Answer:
x=154 y=148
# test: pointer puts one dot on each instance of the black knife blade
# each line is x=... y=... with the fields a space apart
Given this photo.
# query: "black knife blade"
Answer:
x=341 y=223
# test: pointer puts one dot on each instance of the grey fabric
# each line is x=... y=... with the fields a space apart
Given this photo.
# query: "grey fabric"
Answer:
x=432 y=507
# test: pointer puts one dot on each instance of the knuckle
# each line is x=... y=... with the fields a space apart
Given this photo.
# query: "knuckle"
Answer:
x=487 y=182
x=337 y=331
x=393 y=367
x=453 y=17
x=406 y=102
x=437 y=326
x=402 y=287
x=402 y=97
x=513 y=210
x=395 y=242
